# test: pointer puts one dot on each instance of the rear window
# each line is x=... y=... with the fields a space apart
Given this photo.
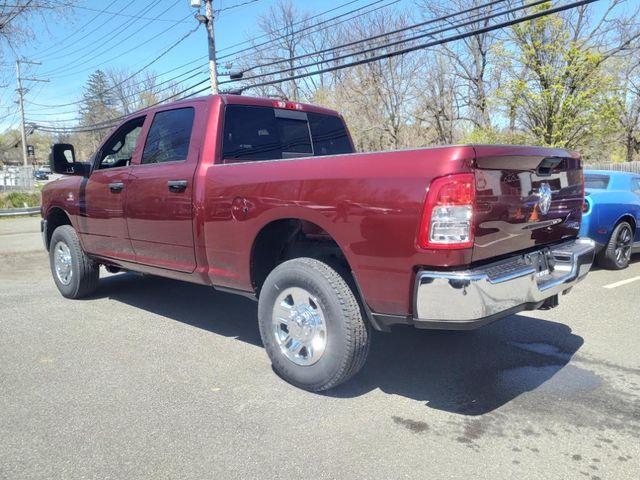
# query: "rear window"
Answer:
x=262 y=133
x=329 y=135
x=597 y=182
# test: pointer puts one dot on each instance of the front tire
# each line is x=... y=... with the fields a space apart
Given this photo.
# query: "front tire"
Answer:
x=311 y=325
x=74 y=273
x=617 y=253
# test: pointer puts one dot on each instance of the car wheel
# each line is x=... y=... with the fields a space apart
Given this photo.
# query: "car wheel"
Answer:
x=74 y=273
x=617 y=252
x=311 y=325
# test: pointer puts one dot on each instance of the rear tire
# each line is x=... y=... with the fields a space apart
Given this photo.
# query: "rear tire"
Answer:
x=311 y=325
x=74 y=273
x=617 y=253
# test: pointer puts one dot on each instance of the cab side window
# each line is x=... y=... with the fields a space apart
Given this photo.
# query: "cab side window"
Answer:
x=118 y=149
x=169 y=136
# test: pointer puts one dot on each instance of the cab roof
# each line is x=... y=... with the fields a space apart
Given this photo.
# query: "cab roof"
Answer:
x=228 y=99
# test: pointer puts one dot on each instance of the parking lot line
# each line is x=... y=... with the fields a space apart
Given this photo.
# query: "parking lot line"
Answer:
x=622 y=282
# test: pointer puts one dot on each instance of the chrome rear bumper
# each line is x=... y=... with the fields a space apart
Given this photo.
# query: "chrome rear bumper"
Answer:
x=471 y=298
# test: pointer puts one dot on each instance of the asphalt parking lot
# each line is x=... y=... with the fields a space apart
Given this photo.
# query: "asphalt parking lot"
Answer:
x=153 y=378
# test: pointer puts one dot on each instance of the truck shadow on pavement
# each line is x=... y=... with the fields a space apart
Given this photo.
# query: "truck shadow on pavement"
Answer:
x=468 y=373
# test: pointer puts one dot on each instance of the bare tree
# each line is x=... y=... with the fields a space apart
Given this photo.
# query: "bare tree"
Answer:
x=284 y=27
x=16 y=15
x=439 y=107
x=133 y=92
x=379 y=98
x=125 y=89
x=471 y=57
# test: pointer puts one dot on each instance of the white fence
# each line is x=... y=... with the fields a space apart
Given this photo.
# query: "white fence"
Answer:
x=632 y=167
x=16 y=179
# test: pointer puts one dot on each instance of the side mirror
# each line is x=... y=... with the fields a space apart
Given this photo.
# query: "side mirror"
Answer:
x=63 y=160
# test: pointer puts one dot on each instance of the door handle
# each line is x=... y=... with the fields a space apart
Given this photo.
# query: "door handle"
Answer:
x=177 y=185
x=116 y=187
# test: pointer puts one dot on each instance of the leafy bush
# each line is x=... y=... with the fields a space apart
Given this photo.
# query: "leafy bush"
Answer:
x=19 y=199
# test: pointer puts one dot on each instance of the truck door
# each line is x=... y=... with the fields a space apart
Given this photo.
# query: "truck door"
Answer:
x=102 y=224
x=159 y=207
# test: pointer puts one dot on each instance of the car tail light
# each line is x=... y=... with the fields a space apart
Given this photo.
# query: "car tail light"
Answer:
x=584 y=197
x=447 y=219
x=586 y=205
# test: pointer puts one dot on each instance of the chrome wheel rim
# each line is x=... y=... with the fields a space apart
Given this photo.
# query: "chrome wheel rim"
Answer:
x=623 y=245
x=299 y=326
x=62 y=263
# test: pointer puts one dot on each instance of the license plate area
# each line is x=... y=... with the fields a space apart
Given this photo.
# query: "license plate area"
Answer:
x=542 y=261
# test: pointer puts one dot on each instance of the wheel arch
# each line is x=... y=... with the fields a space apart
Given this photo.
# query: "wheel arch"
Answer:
x=627 y=217
x=55 y=217
x=282 y=239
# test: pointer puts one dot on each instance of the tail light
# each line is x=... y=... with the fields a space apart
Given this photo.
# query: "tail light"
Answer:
x=288 y=105
x=586 y=205
x=447 y=219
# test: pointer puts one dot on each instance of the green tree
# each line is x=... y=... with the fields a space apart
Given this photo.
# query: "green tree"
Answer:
x=560 y=92
x=98 y=105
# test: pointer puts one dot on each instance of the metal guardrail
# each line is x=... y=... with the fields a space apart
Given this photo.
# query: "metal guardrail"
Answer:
x=12 y=212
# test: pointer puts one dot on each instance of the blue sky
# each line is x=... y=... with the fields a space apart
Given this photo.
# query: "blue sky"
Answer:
x=73 y=45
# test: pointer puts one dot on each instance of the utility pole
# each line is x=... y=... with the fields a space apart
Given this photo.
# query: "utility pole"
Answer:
x=208 y=10
x=23 y=131
x=21 y=92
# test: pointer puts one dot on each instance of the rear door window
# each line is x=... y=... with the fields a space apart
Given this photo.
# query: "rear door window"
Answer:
x=263 y=133
x=250 y=133
x=169 y=136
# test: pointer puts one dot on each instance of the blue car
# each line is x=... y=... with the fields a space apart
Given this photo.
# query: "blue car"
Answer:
x=611 y=216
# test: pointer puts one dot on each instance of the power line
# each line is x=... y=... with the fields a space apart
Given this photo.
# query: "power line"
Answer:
x=147 y=65
x=46 y=107
x=138 y=93
x=91 y=32
x=384 y=34
x=110 y=122
x=421 y=46
x=304 y=66
x=92 y=55
x=299 y=31
x=389 y=44
x=198 y=71
x=383 y=56
x=248 y=2
x=265 y=35
x=253 y=48
x=116 y=57
x=83 y=7
x=244 y=42
x=20 y=9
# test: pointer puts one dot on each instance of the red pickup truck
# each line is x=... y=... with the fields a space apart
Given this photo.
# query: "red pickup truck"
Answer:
x=266 y=198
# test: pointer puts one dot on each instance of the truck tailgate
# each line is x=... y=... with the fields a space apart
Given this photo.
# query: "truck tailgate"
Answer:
x=526 y=197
